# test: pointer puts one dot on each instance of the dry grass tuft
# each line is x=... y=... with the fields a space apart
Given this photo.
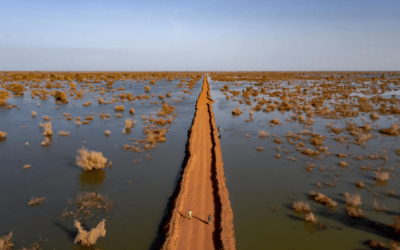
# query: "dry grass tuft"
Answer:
x=89 y=160
x=375 y=244
x=87 y=204
x=129 y=123
x=392 y=130
x=301 y=207
x=262 y=134
x=343 y=164
x=166 y=110
x=107 y=132
x=46 y=142
x=47 y=129
x=320 y=198
x=275 y=122
x=63 y=133
x=236 y=111
x=359 y=184
x=61 y=96
x=27 y=166
x=4 y=95
x=379 y=208
x=381 y=176
x=131 y=111
x=33 y=114
x=3 y=134
x=36 y=201
x=374 y=116
x=6 y=242
x=352 y=203
x=87 y=104
x=259 y=149
x=119 y=108
x=352 y=199
x=310 y=217
x=396 y=224
x=86 y=238
x=147 y=88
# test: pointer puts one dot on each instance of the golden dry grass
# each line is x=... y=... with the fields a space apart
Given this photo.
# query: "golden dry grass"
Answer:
x=34 y=201
x=119 y=108
x=89 y=160
x=88 y=238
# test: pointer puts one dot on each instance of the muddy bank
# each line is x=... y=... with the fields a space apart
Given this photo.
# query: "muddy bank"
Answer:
x=204 y=161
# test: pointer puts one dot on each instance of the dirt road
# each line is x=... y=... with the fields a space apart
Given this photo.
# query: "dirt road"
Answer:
x=202 y=189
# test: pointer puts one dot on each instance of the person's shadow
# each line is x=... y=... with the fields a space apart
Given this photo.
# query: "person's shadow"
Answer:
x=197 y=218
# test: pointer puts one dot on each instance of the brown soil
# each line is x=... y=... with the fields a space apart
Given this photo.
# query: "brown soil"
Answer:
x=202 y=189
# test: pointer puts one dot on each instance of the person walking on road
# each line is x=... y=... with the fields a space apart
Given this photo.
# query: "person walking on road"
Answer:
x=209 y=219
x=190 y=214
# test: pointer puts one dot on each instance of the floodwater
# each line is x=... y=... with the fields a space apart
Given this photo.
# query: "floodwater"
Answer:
x=139 y=189
x=263 y=188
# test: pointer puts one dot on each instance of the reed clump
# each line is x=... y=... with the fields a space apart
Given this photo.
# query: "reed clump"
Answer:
x=33 y=114
x=107 y=132
x=34 y=201
x=86 y=238
x=147 y=88
x=320 y=198
x=89 y=160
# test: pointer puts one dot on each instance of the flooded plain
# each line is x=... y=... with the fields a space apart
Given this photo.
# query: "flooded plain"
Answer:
x=310 y=159
x=268 y=172
x=138 y=183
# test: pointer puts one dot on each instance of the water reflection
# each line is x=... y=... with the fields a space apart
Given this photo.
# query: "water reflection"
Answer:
x=93 y=177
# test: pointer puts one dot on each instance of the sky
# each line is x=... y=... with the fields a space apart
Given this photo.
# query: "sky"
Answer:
x=206 y=35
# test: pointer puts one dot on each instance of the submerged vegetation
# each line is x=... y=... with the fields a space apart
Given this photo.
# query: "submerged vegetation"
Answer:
x=340 y=126
x=321 y=126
